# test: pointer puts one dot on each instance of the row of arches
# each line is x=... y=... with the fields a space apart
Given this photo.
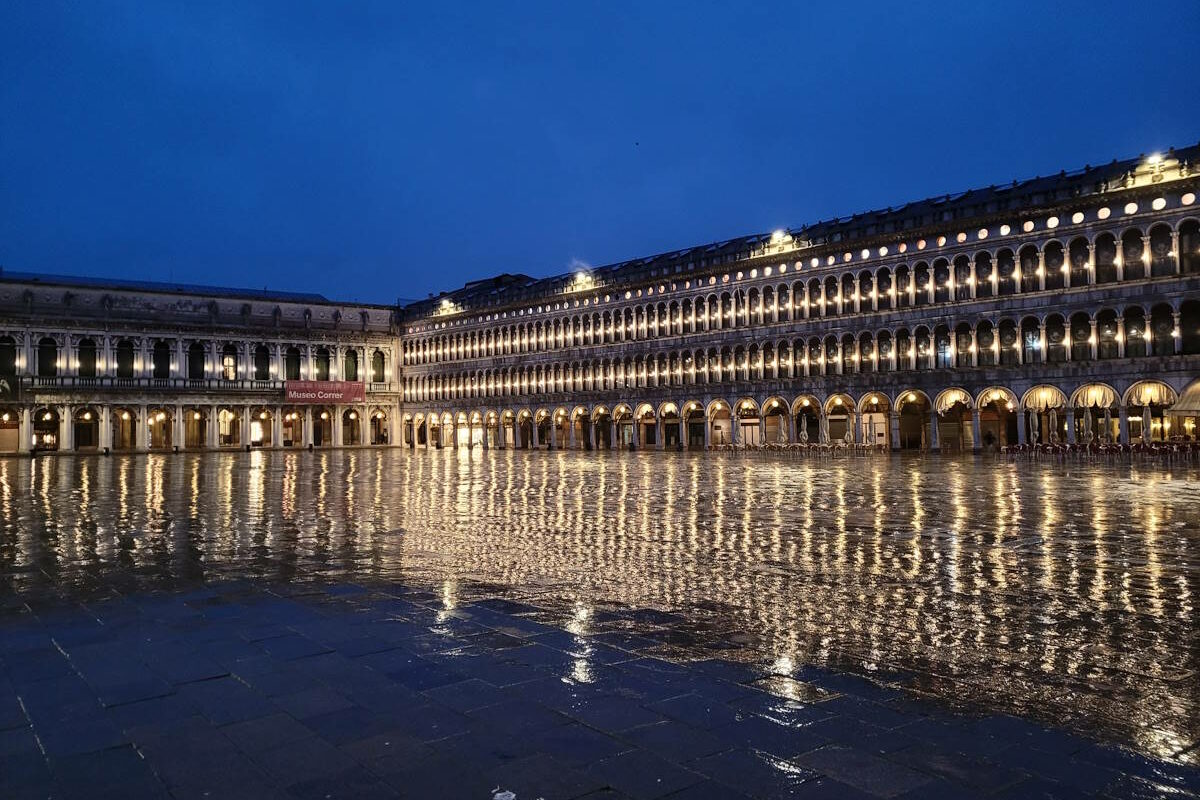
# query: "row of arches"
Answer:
x=953 y=419
x=1109 y=257
x=232 y=362
x=1109 y=333
x=95 y=427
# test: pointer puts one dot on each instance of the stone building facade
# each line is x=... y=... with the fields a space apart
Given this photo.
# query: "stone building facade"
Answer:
x=1061 y=309
x=102 y=365
x=1056 y=309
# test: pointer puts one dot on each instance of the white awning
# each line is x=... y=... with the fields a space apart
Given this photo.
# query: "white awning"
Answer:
x=1188 y=404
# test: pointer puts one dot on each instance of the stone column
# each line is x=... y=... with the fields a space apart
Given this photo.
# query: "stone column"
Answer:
x=894 y=429
x=244 y=425
x=1120 y=337
x=487 y=431
x=683 y=439
x=277 y=427
x=1094 y=341
x=637 y=433
x=1123 y=424
x=1177 y=331
x=553 y=445
x=139 y=429
x=976 y=436
x=571 y=445
x=212 y=429
x=534 y=443
x=66 y=428
x=707 y=432
x=1070 y=424
x=1041 y=270
x=178 y=426
x=658 y=433
x=307 y=428
x=105 y=439
x=856 y=422
x=1022 y=426
x=612 y=434
x=25 y=431
x=452 y=430
x=935 y=444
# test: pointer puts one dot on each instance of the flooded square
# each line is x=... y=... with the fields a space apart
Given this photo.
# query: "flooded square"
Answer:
x=1064 y=594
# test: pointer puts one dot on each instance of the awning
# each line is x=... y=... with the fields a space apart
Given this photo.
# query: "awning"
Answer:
x=1188 y=404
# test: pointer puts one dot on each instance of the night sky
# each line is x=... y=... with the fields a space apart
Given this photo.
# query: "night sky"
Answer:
x=380 y=150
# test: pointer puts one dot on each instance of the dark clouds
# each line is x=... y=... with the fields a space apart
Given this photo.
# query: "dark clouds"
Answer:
x=376 y=150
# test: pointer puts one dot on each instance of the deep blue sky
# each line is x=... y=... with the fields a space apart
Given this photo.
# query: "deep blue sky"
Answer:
x=377 y=150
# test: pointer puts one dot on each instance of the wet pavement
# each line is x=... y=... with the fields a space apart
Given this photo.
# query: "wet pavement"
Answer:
x=360 y=624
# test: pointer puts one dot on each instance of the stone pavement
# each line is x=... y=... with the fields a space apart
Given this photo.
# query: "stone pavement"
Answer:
x=314 y=691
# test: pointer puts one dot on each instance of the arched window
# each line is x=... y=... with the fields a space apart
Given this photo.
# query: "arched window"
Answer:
x=87 y=358
x=262 y=363
x=321 y=367
x=162 y=360
x=124 y=359
x=291 y=364
x=350 y=365
x=943 y=353
x=1189 y=247
x=8 y=355
x=195 y=361
x=47 y=358
x=229 y=362
x=377 y=370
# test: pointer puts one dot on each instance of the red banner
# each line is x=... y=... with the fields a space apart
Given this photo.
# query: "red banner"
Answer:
x=319 y=392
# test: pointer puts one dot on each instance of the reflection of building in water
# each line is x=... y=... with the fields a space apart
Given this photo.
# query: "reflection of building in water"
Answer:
x=93 y=365
x=1060 y=308
x=1069 y=595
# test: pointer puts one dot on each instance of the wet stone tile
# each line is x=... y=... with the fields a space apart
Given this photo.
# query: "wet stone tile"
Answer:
x=303 y=760
x=577 y=744
x=353 y=784
x=643 y=775
x=349 y=724
x=519 y=717
x=265 y=733
x=863 y=770
x=312 y=702
x=675 y=741
x=467 y=695
x=544 y=776
x=757 y=774
x=610 y=714
x=695 y=710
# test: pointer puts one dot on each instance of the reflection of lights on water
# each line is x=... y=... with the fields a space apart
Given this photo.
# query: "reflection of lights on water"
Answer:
x=892 y=562
x=580 y=617
x=449 y=601
x=783 y=665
